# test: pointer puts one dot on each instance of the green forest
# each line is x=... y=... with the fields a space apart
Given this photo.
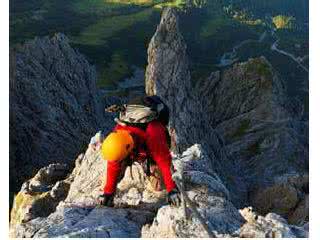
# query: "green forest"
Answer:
x=114 y=34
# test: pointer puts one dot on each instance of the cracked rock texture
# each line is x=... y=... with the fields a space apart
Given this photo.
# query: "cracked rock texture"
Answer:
x=270 y=226
x=233 y=137
x=40 y=195
x=240 y=116
x=139 y=211
x=211 y=198
x=54 y=105
x=77 y=214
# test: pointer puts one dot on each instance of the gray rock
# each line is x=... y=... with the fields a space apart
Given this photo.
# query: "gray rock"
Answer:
x=40 y=195
x=262 y=136
x=270 y=226
x=54 y=105
x=139 y=212
x=300 y=215
x=168 y=76
x=135 y=202
x=210 y=197
x=46 y=177
x=216 y=155
x=59 y=190
x=240 y=116
x=287 y=196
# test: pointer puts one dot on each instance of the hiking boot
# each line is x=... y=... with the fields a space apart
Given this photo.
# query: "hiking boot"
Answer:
x=106 y=200
x=174 y=198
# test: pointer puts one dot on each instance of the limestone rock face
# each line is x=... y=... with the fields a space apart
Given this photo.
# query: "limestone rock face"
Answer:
x=270 y=226
x=76 y=213
x=54 y=105
x=288 y=196
x=262 y=134
x=40 y=195
x=139 y=211
x=86 y=222
x=211 y=200
x=300 y=214
x=228 y=134
x=240 y=116
x=168 y=76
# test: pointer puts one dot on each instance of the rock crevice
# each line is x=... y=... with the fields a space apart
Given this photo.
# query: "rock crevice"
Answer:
x=54 y=106
x=240 y=115
x=230 y=132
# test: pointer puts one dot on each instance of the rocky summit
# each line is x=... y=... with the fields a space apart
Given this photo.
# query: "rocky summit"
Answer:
x=68 y=207
x=239 y=149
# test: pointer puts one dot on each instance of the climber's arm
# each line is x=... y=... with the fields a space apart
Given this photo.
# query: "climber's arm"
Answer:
x=115 y=168
x=158 y=148
x=112 y=176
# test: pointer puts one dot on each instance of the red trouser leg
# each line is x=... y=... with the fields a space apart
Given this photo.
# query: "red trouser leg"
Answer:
x=113 y=173
x=159 y=150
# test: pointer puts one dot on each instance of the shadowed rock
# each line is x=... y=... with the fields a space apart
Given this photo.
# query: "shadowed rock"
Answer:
x=240 y=116
x=54 y=105
x=228 y=133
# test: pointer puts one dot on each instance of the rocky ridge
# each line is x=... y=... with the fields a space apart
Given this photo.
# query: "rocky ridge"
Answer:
x=54 y=105
x=216 y=190
x=240 y=116
x=139 y=210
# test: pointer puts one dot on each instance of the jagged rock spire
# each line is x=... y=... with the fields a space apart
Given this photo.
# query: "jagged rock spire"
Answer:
x=167 y=59
x=239 y=115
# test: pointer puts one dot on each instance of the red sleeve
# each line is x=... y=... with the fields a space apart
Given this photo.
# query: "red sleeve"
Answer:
x=117 y=127
x=114 y=168
x=158 y=148
x=113 y=171
x=112 y=174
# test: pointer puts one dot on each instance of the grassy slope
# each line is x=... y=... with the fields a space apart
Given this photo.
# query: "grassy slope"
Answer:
x=100 y=28
x=98 y=33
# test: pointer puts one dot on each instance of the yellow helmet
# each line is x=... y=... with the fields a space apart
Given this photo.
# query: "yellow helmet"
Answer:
x=117 y=146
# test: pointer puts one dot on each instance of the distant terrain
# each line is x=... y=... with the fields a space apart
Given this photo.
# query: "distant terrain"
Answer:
x=239 y=141
x=114 y=34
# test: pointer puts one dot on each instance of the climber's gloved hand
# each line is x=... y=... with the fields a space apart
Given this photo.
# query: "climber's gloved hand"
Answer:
x=174 y=198
x=106 y=200
x=96 y=141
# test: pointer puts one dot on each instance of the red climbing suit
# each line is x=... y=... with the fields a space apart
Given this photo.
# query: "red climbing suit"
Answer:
x=154 y=137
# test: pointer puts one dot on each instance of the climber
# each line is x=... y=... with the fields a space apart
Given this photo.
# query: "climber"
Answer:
x=140 y=135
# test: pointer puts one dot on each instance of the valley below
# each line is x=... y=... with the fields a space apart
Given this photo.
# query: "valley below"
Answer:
x=235 y=77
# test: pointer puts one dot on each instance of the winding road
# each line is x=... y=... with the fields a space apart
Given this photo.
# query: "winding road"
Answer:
x=274 y=47
x=229 y=58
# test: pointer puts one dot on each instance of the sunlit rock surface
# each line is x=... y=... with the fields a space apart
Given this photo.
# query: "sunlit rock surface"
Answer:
x=241 y=117
x=237 y=142
x=270 y=226
x=140 y=211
